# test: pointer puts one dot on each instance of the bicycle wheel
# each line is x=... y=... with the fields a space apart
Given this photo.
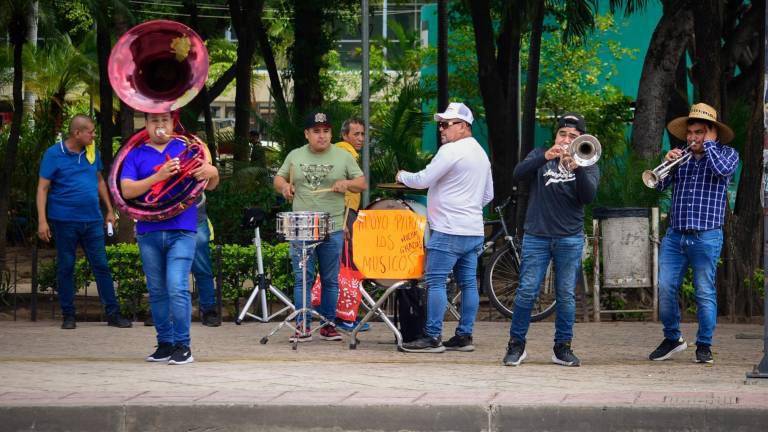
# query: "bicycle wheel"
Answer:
x=502 y=277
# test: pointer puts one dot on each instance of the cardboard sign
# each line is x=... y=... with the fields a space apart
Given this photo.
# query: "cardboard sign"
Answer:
x=389 y=244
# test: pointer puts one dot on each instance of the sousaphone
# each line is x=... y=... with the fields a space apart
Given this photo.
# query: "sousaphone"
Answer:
x=158 y=67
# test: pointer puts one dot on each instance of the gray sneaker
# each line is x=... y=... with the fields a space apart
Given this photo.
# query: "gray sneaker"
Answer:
x=564 y=356
x=515 y=353
x=459 y=343
x=425 y=344
x=704 y=354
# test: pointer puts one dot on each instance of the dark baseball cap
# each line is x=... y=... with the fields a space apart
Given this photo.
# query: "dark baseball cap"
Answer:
x=572 y=120
x=317 y=118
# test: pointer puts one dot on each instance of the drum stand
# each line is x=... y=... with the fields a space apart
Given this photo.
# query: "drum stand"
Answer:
x=260 y=288
x=304 y=311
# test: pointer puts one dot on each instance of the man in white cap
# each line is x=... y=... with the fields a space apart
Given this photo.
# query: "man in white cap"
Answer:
x=460 y=185
x=695 y=236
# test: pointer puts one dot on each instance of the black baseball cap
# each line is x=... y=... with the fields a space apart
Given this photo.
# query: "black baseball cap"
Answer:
x=573 y=120
x=317 y=118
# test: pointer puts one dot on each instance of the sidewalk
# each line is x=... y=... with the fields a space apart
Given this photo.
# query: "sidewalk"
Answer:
x=95 y=376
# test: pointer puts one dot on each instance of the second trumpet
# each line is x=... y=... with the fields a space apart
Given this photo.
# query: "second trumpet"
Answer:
x=652 y=177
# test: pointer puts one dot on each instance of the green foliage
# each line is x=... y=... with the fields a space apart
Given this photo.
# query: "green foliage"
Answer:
x=756 y=283
x=688 y=292
x=222 y=54
x=238 y=265
x=247 y=187
x=398 y=136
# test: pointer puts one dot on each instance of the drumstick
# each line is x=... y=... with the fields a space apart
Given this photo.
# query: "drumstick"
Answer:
x=323 y=190
x=290 y=174
x=290 y=177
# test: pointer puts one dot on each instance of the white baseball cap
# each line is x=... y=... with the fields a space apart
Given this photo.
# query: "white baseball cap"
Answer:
x=456 y=110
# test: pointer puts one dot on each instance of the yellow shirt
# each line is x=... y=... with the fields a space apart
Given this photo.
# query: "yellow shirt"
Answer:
x=351 y=199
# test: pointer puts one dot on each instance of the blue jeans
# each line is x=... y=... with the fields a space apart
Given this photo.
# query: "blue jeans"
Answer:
x=327 y=256
x=166 y=257
x=701 y=251
x=202 y=269
x=446 y=253
x=90 y=235
x=565 y=253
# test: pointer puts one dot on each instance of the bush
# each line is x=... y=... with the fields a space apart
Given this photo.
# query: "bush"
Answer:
x=238 y=264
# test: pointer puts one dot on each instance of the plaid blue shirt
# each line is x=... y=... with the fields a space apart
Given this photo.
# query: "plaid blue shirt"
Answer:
x=699 y=197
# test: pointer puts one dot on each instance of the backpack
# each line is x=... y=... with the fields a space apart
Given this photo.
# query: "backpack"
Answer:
x=411 y=311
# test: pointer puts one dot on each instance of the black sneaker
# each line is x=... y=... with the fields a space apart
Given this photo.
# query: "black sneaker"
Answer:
x=182 y=355
x=459 y=343
x=515 y=353
x=425 y=344
x=118 y=321
x=704 y=354
x=162 y=353
x=667 y=348
x=211 y=319
x=564 y=355
x=68 y=323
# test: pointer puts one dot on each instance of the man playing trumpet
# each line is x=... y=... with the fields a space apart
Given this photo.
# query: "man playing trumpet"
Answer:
x=554 y=231
x=694 y=237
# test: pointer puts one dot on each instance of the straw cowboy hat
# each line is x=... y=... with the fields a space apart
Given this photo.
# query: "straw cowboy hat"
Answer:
x=679 y=126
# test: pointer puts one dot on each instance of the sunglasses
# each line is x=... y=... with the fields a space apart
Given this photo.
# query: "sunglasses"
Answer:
x=446 y=125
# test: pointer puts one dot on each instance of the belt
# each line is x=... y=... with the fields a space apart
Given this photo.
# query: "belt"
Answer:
x=693 y=231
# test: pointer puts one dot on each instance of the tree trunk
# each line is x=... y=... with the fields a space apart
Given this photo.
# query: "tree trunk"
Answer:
x=210 y=133
x=125 y=232
x=499 y=85
x=310 y=44
x=241 y=17
x=742 y=248
x=442 y=57
x=678 y=105
x=529 y=105
x=269 y=61
x=11 y=149
x=193 y=109
x=103 y=48
x=30 y=98
x=665 y=52
x=708 y=67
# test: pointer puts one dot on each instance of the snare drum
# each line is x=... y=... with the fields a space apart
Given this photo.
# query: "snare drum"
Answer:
x=398 y=204
x=304 y=225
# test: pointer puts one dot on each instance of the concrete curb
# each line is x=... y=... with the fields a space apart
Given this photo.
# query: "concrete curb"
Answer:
x=282 y=418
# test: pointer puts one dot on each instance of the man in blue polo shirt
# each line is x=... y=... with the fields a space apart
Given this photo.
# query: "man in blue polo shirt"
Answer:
x=70 y=185
x=167 y=247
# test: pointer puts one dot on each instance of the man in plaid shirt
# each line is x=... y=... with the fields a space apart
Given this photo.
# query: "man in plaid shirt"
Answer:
x=694 y=237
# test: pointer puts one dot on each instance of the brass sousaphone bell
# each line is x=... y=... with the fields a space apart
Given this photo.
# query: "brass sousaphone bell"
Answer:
x=158 y=67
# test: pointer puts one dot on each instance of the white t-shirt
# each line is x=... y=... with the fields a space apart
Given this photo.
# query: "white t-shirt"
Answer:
x=460 y=185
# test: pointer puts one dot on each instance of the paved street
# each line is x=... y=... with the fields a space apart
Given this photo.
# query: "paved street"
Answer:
x=99 y=366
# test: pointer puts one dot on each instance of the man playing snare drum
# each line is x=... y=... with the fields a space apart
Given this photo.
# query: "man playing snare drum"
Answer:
x=460 y=185
x=316 y=177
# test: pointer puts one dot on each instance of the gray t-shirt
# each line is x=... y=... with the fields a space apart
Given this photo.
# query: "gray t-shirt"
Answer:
x=314 y=173
x=557 y=199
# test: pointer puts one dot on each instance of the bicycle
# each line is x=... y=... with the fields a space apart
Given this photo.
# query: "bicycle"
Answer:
x=501 y=274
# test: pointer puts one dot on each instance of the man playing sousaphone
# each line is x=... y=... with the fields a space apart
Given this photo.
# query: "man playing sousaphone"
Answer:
x=316 y=177
x=167 y=246
x=694 y=237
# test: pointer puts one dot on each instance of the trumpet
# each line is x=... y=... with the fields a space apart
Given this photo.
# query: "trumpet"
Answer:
x=585 y=150
x=651 y=178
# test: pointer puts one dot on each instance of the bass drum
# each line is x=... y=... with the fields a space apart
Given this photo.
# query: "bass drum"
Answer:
x=398 y=204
